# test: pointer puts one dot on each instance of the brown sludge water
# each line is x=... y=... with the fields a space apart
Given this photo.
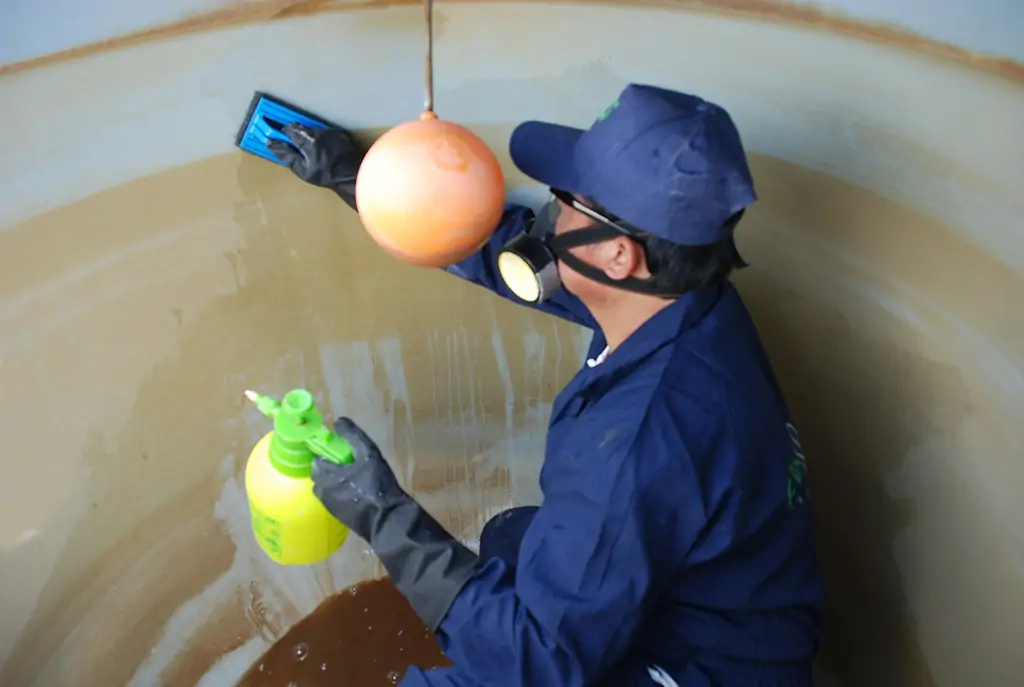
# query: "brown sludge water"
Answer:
x=366 y=636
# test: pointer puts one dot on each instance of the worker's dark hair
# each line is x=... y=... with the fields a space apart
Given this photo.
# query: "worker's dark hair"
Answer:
x=676 y=268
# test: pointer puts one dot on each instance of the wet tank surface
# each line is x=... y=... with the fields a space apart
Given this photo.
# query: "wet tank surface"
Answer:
x=150 y=272
x=367 y=635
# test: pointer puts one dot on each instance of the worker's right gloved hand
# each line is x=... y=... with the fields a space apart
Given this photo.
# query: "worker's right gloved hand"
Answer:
x=426 y=563
x=323 y=157
x=361 y=493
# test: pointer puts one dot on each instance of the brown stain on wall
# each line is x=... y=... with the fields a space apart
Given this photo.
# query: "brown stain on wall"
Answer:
x=771 y=10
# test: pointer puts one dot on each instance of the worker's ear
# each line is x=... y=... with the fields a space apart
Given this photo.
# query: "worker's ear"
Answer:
x=620 y=258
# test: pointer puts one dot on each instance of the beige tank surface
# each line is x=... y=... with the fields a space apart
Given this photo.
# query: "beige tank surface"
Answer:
x=150 y=272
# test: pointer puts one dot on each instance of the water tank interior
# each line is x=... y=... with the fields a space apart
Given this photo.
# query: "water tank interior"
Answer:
x=150 y=272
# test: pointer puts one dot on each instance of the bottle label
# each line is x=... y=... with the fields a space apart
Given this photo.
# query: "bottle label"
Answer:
x=267 y=531
x=297 y=542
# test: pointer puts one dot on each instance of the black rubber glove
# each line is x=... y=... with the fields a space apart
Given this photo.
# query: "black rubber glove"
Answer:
x=427 y=564
x=323 y=157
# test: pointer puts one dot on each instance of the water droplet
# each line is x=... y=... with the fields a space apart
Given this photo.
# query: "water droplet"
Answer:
x=369 y=627
x=323 y=667
x=293 y=684
x=401 y=632
x=301 y=651
x=261 y=667
x=393 y=677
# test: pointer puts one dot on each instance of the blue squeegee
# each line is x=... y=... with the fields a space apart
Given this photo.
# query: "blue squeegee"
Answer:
x=263 y=122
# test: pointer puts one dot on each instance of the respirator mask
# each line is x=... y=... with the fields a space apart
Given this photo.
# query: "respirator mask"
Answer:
x=528 y=264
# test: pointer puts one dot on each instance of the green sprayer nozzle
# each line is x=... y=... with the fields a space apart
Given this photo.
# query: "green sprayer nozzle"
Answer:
x=299 y=433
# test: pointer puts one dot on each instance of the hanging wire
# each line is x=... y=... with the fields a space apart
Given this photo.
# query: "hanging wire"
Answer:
x=428 y=10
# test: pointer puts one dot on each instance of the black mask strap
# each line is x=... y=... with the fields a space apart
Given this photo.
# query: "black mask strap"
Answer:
x=561 y=244
x=583 y=237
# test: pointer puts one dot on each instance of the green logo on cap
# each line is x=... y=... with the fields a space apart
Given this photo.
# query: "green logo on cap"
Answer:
x=604 y=115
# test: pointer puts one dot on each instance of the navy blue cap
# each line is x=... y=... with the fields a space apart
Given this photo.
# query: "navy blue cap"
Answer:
x=666 y=162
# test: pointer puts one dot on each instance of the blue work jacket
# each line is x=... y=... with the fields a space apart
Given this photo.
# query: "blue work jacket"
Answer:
x=674 y=544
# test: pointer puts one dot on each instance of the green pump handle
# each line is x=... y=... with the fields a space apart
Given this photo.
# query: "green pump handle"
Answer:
x=299 y=433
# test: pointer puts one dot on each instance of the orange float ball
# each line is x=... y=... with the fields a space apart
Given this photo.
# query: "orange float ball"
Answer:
x=430 y=192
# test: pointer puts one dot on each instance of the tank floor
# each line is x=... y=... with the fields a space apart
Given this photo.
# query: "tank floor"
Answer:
x=366 y=636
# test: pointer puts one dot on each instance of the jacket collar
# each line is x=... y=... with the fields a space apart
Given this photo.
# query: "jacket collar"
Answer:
x=661 y=329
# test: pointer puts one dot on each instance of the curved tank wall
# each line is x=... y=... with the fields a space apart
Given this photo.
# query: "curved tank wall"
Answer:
x=149 y=272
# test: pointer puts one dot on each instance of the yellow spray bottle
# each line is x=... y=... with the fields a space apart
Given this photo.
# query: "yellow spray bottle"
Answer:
x=290 y=523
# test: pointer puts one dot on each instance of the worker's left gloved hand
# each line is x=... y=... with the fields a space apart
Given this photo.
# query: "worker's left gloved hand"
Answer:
x=426 y=563
x=323 y=157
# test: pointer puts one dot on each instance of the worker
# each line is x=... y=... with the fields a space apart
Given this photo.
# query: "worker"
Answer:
x=674 y=544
